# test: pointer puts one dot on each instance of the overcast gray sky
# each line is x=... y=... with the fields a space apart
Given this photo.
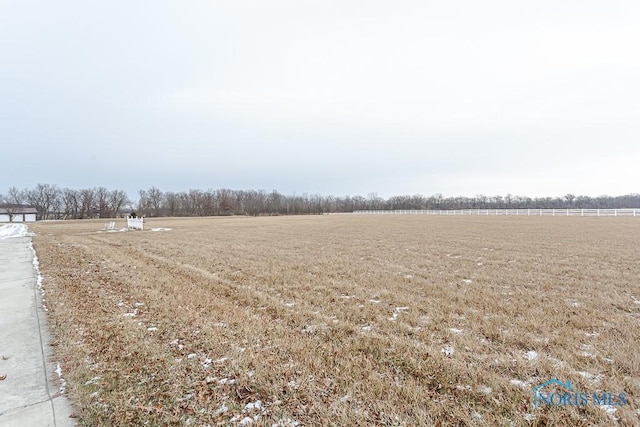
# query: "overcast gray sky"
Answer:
x=330 y=97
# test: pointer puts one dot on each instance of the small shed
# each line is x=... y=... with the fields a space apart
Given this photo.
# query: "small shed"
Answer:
x=17 y=213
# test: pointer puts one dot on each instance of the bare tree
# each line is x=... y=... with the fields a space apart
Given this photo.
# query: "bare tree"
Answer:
x=87 y=197
x=15 y=196
x=102 y=202
x=155 y=200
x=171 y=203
x=43 y=198
x=117 y=200
x=70 y=203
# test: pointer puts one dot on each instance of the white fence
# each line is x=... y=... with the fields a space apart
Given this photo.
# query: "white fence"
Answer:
x=135 y=223
x=507 y=212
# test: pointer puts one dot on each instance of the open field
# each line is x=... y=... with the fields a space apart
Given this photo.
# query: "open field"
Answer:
x=344 y=320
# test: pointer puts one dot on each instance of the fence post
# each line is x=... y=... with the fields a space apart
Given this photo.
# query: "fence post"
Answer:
x=598 y=211
x=615 y=212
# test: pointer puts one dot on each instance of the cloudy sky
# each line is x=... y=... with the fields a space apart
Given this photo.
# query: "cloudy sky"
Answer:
x=330 y=97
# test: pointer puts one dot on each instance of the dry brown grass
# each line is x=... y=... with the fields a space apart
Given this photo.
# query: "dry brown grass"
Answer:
x=342 y=320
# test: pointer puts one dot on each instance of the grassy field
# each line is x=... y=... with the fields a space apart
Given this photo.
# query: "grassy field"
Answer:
x=344 y=320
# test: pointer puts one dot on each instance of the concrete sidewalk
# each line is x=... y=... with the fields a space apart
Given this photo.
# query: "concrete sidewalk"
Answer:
x=28 y=396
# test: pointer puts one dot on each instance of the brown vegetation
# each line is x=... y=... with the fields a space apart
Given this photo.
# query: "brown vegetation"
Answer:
x=344 y=320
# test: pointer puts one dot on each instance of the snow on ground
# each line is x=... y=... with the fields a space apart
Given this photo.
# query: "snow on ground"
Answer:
x=448 y=350
x=63 y=382
x=8 y=231
x=531 y=354
x=520 y=383
x=396 y=312
x=160 y=229
x=484 y=389
x=589 y=376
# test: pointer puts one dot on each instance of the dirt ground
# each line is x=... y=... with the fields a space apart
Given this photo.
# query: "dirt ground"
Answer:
x=344 y=319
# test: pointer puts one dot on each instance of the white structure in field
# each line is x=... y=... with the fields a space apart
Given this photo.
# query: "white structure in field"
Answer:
x=135 y=223
x=17 y=213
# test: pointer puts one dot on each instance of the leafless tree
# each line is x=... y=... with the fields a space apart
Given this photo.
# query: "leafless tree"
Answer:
x=102 y=202
x=70 y=203
x=117 y=201
x=43 y=198
x=87 y=197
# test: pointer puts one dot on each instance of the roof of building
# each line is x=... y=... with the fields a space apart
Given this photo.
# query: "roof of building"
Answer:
x=17 y=209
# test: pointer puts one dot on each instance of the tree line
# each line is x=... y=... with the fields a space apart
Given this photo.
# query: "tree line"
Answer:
x=52 y=202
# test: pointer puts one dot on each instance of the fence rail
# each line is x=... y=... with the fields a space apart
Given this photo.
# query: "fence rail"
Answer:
x=506 y=212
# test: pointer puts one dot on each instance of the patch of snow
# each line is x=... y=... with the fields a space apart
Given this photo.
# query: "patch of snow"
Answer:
x=519 y=383
x=93 y=380
x=115 y=230
x=247 y=420
x=529 y=417
x=251 y=406
x=36 y=268
x=367 y=328
x=589 y=376
x=290 y=304
x=610 y=410
x=160 y=229
x=396 y=312
x=455 y=331
x=9 y=231
x=467 y=281
x=132 y=314
x=484 y=389
x=226 y=381
x=346 y=296
x=531 y=355
x=448 y=350
x=192 y=356
x=63 y=382
x=138 y=304
x=221 y=410
x=375 y=301
x=152 y=329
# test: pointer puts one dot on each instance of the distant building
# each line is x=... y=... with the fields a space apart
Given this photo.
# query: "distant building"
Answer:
x=17 y=213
